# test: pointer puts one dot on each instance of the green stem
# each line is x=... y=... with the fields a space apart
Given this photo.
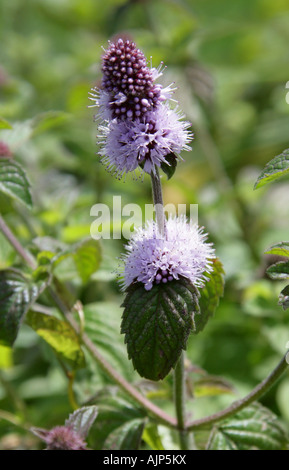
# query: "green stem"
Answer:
x=180 y=400
x=158 y=200
x=238 y=405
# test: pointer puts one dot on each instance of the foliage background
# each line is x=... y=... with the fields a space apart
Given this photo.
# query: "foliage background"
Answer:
x=230 y=63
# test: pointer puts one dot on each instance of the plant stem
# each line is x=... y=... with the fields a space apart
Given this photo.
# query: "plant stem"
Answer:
x=238 y=405
x=158 y=200
x=180 y=399
x=154 y=410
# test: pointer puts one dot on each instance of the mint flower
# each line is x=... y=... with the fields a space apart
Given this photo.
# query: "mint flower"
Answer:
x=181 y=252
x=128 y=89
x=127 y=144
x=138 y=127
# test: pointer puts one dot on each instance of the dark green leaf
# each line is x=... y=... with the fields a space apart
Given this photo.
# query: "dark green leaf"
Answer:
x=254 y=428
x=126 y=437
x=113 y=413
x=157 y=324
x=82 y=420
x=13 y=181
x=209 y=296
x=170 y=165
x=59 y=335
x=279 y=270
x=280 y=249
x=17 y=295
x=284 y=298
x=276 y=168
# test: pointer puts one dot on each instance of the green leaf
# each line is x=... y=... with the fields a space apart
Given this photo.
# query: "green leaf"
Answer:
x=170 y=165
x=82 y=420
x=157 y=324
x=102 y=326
x=280 y=249
x=284 y=298
x=59 y=335
x=17 y=295
x=210 y=296
x=211 y=386
x=113 y=414
x=279 y=270
x=254 y=428
x=151 y=436
x=5 y=357
x=87 y=258
x=276 y=168
x=13 y=181
x=126 y=437
x=4 y=124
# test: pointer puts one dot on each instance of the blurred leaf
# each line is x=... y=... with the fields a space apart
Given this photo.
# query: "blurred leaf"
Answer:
x=276 y=168
x=45 y=121
x=113 y=414
x=209 y=296
x=17 y=295
x=13 y=181
x=279 y=270
x=280 y=249
x=157 y=323
x=5 y=357
x=126 y=437
x=59 y=335
x=87 y=257
x=82 y=420
x=211 y=386
x=4 y=124
x=151 y=436
x=102 y=320
x=254 y=428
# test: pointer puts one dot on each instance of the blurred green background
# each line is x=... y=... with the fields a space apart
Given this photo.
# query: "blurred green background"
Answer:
x=230 y=61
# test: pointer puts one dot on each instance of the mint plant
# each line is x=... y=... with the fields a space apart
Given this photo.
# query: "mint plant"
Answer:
x=170 y=275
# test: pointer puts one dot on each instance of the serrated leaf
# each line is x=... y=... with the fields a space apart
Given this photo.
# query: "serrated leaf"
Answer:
x=126 y=437
x=13 y=181
x=82 y=420
x=280 y=249
x=17 y=295
x=59 y=335
x=170 y=165
x=279 y=270
x=87 y=258
x=276 y=168
x=254 y=428
x=157 y=324
x=210 y=296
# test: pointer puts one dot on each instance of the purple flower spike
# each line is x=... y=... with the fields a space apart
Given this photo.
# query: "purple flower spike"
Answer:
x=182 y=251
x=138 y=127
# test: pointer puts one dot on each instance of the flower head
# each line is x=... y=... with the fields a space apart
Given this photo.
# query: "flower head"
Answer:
x=145 y=142
x=60 y=438
x=153 y=259
x=128 y=89
x=138 y=127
